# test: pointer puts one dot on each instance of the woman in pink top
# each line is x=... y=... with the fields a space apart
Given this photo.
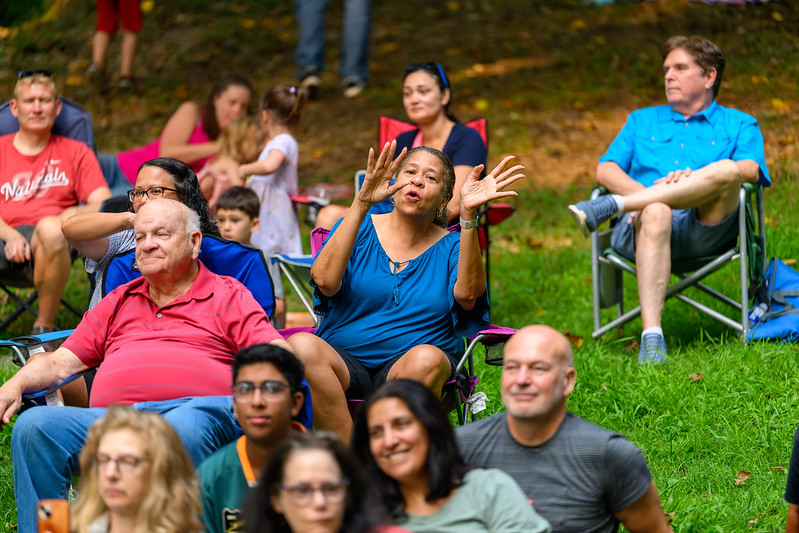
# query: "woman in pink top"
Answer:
x=190 y=135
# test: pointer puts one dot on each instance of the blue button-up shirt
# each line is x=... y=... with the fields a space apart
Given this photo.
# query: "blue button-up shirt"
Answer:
x=658 y=140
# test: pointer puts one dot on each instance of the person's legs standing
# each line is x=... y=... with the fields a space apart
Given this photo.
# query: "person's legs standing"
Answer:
x=356 y=30
x=310 y=54
x=45 y=446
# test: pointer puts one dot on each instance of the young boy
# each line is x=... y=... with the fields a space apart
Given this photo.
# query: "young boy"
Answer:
x=237 y=212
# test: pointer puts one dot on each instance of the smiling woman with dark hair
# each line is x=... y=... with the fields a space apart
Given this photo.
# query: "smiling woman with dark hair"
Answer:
x=403 y=437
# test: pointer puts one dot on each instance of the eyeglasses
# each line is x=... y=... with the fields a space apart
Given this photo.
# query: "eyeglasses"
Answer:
x=28 y=73
x=125 y=464
x=151 y=193
x=302 y=493
x=271 y=390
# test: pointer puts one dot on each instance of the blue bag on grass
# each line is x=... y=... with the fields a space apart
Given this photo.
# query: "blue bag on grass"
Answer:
x=778 y=300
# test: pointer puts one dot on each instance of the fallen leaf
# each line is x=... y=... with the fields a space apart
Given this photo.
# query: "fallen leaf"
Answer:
x=147 y=6
x=247 y=23
x=632 y=345
x=778 y=468
x=777 y=16
x=481 y=105
x=578 y=24
x=742 y=477
x=696 y=377
x=755 y=80
x=576 y=340
x=780 y=105
x=752 y=522
x=76 y=80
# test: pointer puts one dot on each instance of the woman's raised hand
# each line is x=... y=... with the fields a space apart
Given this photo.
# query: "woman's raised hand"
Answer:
x=376 y=184
x=476 y=192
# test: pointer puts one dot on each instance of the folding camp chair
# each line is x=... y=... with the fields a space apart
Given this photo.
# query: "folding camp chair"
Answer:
x=607 y=267
x=74 y=122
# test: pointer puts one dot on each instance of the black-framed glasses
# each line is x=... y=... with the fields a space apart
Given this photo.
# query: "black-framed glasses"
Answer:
x=302 y=493
x=151 y=193
x=271 y=390
x=124 y=464
x=28 y=73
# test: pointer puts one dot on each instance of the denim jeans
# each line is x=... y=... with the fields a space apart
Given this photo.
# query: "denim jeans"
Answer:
x=310 y=53
x=46 y=444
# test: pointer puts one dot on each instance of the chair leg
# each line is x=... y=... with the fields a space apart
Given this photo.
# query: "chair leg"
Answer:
x=22 y=306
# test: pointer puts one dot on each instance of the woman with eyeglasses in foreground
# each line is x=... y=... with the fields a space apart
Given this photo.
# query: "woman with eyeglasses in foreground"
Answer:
x=313 y=484
x=136 y=477
x=403 y=437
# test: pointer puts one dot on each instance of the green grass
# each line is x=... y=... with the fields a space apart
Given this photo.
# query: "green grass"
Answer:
x=558 y=79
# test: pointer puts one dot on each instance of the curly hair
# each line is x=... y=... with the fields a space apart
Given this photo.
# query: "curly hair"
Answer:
x=172 y=502
x=442 y=216
x=445 y=466
x=362 y=511
x=189 y=193
x=210 y=125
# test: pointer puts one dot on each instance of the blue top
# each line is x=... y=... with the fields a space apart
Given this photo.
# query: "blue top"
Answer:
x=464 y=146
x=658 y=140
x=378 y=315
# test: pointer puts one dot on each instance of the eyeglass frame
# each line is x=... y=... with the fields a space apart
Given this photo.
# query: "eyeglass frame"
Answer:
x=303 y=501
x=124 y=464
x=22 y=74
x=133 y=194
x=268 y=396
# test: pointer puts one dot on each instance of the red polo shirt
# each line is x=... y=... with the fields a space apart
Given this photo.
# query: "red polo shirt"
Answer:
x=150 y=353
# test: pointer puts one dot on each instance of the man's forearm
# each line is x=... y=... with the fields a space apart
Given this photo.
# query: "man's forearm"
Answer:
x=611 y=176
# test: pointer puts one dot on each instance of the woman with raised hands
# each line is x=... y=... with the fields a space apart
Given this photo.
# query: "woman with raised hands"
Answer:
x=398 y=290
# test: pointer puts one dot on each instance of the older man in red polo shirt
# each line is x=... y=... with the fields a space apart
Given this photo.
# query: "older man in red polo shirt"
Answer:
x=164 y=343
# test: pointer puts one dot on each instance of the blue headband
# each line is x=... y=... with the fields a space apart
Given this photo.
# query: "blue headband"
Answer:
x=443 y=76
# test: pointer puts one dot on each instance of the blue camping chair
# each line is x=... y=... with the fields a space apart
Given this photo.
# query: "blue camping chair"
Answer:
x=221 y=256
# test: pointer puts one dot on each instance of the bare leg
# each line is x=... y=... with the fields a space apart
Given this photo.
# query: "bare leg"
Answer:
x=329 y=215
x=51 y=268
x=653 y=260
x=426 y=364
x=328 y=377
x=101 y=41
x=129 y=39
x=712 y=189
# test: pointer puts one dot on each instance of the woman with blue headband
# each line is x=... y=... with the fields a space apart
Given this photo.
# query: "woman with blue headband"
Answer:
x=426 y=96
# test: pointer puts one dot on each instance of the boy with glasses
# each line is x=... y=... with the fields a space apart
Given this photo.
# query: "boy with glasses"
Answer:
x=270 y=400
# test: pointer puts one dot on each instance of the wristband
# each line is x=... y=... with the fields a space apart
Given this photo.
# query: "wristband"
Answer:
x=468 y=224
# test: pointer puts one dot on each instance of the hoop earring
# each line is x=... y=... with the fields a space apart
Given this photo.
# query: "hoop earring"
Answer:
x=391 y=201
x=439 y=215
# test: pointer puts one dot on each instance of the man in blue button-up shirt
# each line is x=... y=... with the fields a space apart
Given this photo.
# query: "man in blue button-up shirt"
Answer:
x=675 y=171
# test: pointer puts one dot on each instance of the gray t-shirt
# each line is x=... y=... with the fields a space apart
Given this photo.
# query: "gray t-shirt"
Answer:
x=489 y=501
x=122 y=241
x=577 y=480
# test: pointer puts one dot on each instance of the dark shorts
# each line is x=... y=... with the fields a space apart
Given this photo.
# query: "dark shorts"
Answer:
x=364 y=380
x=690 y=238
x=17 y=274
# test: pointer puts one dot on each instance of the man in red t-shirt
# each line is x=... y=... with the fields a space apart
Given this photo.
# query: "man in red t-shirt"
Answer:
x=43 y=178
x=164 y=343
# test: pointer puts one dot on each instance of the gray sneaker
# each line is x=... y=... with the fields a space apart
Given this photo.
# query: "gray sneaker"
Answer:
x=653 y=349
x=590 y=214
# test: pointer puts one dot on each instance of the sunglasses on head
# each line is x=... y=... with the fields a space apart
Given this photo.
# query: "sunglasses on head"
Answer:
x=28 y=73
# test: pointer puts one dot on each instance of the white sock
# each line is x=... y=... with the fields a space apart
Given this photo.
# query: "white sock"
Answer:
x=619 y=203
x=659 y=331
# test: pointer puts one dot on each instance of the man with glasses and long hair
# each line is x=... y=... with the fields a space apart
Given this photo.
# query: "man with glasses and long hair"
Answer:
x=164 y=343
x=270 y=401
x=43 y=179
